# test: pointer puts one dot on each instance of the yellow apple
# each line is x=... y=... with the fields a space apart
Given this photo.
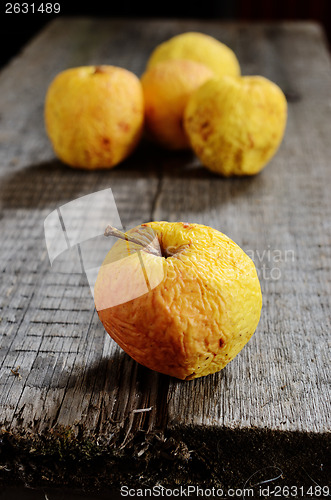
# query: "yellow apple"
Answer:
x=186 y=311
x=236 y=124
x=198 y=47
x=167 y=87
x=94 y=115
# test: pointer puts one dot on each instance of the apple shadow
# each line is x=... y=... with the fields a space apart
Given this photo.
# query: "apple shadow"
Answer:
x=122 y=386
x=123 y=392
x=40 y=186
x=114 y=373
x=52 y=183
x=185 y=183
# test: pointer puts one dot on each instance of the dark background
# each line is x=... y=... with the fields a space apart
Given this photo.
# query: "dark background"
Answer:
x=17 y=29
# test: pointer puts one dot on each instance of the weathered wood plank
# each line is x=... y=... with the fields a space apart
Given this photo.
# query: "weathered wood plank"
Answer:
x=71 y=375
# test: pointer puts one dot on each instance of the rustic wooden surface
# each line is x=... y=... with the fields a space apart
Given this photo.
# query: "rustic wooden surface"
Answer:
x=59 y=369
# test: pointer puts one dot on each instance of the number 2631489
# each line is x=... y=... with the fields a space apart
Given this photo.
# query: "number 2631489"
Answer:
x=32 y=8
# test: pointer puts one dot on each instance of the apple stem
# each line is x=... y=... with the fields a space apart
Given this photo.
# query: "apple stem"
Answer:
x=112 y=231
x=98 y=69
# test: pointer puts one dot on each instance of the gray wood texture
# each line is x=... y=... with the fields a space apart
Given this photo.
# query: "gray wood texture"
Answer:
x=58 y=367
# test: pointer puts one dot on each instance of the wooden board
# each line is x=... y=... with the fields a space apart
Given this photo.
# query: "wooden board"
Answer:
x=67 y=391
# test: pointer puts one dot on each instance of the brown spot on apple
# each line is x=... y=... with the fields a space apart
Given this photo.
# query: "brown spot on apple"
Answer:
x=205 y=130
x=238 y=157
x=105 y=141
x=124 y=126
x=251 y=141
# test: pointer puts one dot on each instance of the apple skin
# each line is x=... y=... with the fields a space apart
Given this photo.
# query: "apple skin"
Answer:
x=201 y=312
x=167 y=87
x=94 y=115
x=236 y=124
x=197 y=47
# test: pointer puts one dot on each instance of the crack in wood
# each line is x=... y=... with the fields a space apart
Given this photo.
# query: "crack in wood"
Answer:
x=158 y=192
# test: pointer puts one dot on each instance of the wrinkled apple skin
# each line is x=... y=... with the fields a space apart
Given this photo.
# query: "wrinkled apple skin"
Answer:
x=94 y=115
x=198 y=317
x=236 y=124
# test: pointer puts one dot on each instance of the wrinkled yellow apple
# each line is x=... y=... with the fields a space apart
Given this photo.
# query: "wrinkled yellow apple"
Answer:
x=198 y=47
x=94 y=115
x=200 y=305
x=167 y=87
x=236 y=124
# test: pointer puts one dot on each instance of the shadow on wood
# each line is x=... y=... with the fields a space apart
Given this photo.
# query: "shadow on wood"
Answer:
x=54 y=183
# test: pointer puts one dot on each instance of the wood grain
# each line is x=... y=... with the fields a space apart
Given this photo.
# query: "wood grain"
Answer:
x=59 y=369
